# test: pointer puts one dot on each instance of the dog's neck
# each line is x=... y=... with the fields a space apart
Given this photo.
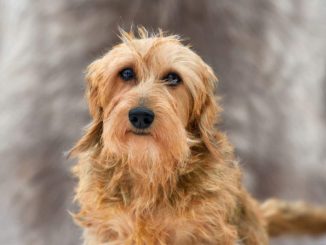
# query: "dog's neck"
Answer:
x=119 y=181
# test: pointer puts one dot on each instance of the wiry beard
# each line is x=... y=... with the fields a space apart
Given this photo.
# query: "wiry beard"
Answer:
x=146 y=174
x=140 y=171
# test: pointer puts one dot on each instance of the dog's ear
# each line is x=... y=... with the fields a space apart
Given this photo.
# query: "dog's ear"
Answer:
x=90 y=139
x=94 y=76
x=209 y=112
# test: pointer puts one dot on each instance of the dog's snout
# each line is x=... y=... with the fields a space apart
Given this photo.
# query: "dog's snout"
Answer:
x=141 y=117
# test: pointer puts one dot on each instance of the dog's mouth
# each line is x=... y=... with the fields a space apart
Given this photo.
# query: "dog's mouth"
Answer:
x=140 y=132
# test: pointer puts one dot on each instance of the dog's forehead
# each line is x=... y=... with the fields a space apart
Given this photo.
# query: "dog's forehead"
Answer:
x=155 y=47
x=143 y=46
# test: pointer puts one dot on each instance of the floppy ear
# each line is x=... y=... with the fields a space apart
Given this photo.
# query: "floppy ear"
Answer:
x=209 y=113
x=94 y=77
x=95 y=74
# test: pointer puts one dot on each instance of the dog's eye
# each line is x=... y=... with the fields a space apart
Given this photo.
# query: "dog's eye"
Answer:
x=127 y=74
x=172 y=79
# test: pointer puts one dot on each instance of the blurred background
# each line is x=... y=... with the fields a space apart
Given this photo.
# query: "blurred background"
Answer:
x=270 y=56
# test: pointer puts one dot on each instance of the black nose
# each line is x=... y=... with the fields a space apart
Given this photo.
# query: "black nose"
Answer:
x=141 y=117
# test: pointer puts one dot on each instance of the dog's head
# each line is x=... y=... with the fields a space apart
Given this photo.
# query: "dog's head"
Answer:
x=151 y=99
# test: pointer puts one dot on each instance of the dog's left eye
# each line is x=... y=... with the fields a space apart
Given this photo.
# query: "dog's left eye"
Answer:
x=127 y=74
x=172 y=79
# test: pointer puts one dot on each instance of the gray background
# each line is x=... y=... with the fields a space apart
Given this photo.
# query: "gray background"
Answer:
x=270 y=56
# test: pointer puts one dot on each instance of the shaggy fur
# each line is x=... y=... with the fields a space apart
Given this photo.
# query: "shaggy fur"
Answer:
x=179 y=183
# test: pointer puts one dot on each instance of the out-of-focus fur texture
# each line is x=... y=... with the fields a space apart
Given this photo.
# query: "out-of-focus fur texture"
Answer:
x=270 y=57
x=177 y=184
x=293 y=218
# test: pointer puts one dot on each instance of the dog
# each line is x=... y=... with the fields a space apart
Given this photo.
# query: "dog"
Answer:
x=154 y=169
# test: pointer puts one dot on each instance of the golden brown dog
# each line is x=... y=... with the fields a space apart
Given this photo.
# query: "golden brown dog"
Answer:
x=153 y=168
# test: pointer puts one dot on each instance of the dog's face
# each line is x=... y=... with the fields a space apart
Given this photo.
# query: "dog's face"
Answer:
x=150 y=98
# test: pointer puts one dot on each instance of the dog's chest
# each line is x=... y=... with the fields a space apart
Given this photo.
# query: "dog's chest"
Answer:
x=163 y=229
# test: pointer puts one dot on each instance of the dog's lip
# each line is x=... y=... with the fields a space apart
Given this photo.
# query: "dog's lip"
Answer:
x=140 y=132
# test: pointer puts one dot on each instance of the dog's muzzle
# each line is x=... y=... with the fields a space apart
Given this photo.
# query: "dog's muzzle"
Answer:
x=141 y=117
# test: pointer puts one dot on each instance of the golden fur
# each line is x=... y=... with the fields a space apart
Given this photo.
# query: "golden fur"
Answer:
x=178 y=184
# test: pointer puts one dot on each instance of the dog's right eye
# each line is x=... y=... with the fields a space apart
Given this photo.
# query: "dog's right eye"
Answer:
x=127 y=74
x=172 y=79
